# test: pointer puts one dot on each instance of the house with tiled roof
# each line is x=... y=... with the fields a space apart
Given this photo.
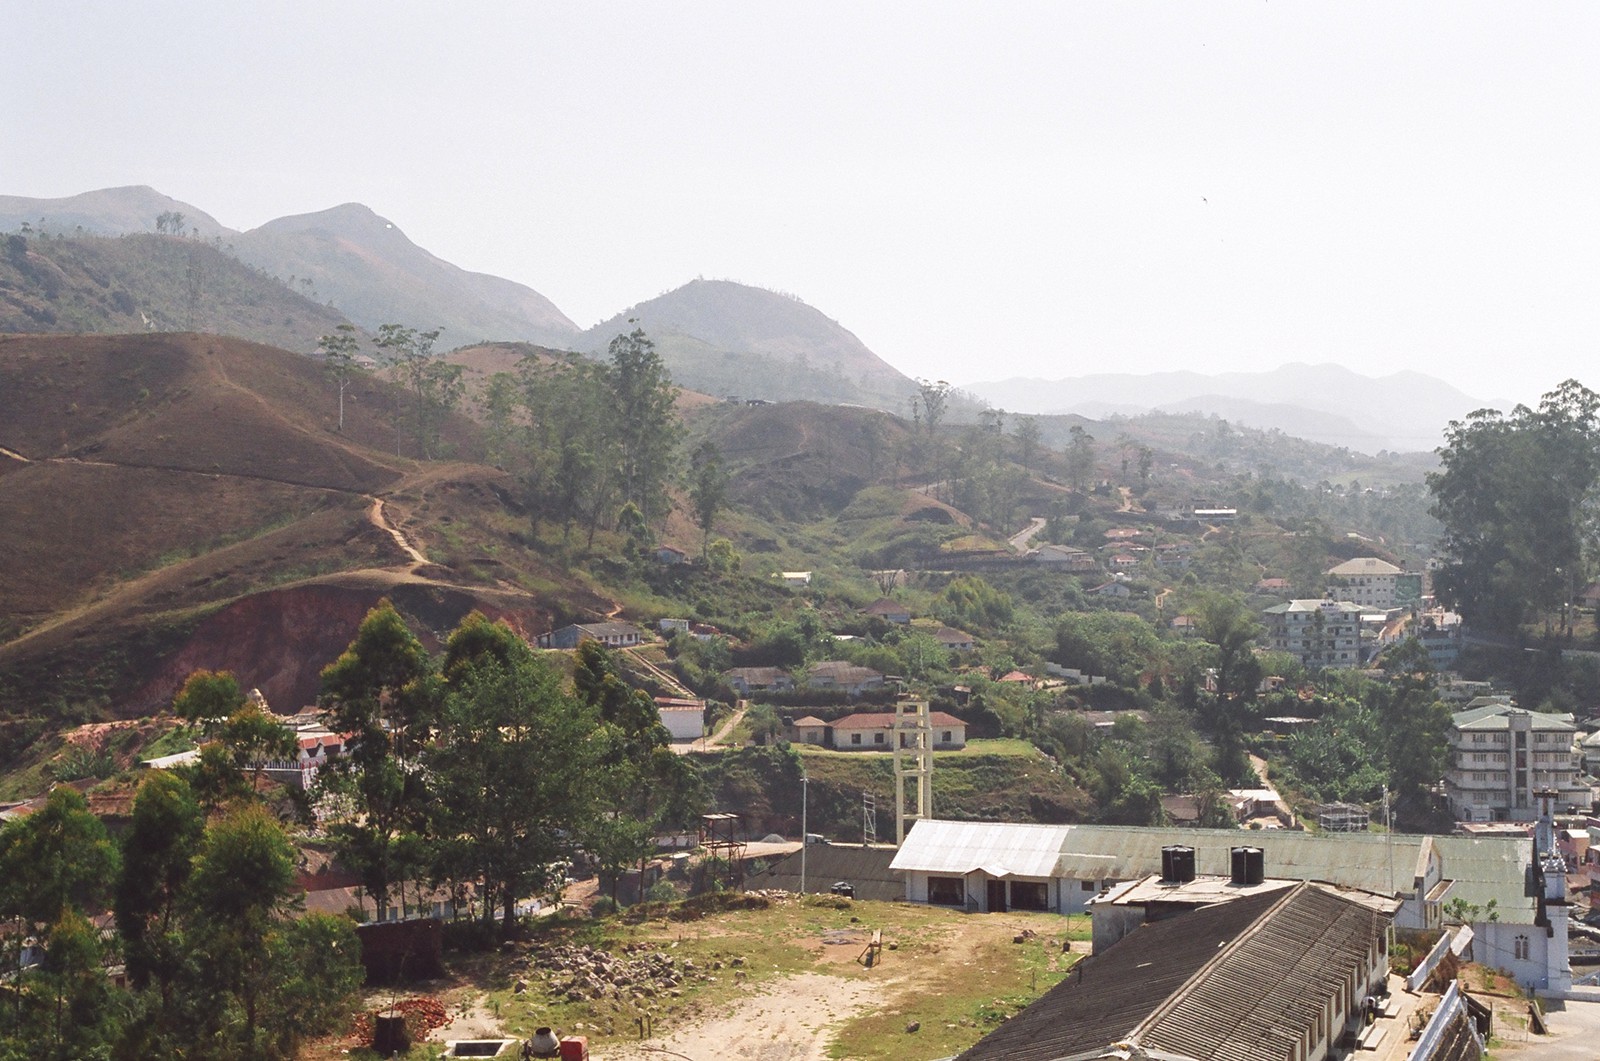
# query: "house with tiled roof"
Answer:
x=842 y=676
x=809 y=729
x=610 y=634
x=890 y=611
x=953 y=639
x=747 y=680
x=1064 y=558
x=874 y=731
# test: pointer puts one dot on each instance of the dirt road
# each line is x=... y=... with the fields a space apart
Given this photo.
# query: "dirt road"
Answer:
x=788 y=1020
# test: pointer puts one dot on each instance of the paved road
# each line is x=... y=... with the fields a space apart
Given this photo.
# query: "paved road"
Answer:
x=1574 y=1035
x=1020 y=540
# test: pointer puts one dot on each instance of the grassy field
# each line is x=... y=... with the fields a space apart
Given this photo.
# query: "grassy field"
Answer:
x=951 y=976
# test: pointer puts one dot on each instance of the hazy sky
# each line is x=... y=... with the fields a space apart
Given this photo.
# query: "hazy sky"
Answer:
x=977 y=190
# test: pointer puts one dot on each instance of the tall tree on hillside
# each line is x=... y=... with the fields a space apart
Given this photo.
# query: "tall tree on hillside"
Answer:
x=339 y=351
x=433 y=386
x=643 y=420
x=929 y=405
x=708 y=488
x=262 y=979
x=568 y=460
x=1517 y=497
x=1080 y=457
x=1027 y=434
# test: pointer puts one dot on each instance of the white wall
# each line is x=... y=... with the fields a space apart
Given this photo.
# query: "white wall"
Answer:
x=683 y=723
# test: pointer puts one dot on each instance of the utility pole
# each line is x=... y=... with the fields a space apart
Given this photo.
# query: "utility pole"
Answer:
x=805 y=837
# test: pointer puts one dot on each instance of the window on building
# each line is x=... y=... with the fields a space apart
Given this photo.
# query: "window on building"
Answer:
x=946 y=891
x=945 y=737
x=1030 y=895
x=1086 y=886
x=877 y=738
x=855 y=738
x=1479 y=738
x=1519 y=948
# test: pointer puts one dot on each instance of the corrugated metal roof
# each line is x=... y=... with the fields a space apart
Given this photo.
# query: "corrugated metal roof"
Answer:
x=1269 y=986
x=1493 y=716
x=1001 y=848
x=1494 y=867
x=1234 y=982
x=1106 y=997
x=1353 y=860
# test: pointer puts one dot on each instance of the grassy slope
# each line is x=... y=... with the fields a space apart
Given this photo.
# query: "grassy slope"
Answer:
x=112 y=284
x=990 y=781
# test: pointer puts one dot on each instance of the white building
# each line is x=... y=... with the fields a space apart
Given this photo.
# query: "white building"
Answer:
x=1366 y=581
x=995 y=866
x=1501 y=755
x=1319 y=633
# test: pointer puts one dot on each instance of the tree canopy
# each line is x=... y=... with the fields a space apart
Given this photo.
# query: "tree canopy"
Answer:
x=1516 y=495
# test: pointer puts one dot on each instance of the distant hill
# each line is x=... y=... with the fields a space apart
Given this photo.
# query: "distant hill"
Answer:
x=106 y=212
x=134 y=283
x=1403 y=412
x=348 y=256
x=728 y=339
x=365 y=265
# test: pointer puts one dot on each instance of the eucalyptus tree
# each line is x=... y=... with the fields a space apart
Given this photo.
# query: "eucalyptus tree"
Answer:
x=339 y=350
x=643 y=419
x=432 y=385
x=1516 y=495
x=383 y=692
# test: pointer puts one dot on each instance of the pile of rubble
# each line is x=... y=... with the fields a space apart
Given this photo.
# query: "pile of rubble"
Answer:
x=580 y=973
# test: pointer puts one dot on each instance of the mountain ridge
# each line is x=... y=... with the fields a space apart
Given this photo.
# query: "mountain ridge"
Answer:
x=348 y=254
x=1371 y=408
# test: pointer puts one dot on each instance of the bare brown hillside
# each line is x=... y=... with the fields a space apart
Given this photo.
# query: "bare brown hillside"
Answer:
x=174 y=501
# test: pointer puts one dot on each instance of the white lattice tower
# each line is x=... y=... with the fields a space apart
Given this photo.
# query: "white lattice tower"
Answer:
x=913 y=759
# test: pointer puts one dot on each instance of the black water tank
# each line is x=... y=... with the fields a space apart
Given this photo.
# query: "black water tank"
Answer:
x=1249 y=865
x=1177 y=864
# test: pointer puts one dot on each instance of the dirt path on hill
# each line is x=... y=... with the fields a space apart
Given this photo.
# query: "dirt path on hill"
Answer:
x=726 y=729
x=379 y=520
x=14 y=455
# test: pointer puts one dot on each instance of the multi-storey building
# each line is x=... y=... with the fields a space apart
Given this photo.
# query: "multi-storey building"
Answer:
x=1321 y=634
x=1366 y=581
x=1501 y=755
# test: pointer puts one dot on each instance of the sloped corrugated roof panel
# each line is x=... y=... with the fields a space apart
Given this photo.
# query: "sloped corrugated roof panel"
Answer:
x=1352 y=860
x=1485 y=868
x=1018 y=850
